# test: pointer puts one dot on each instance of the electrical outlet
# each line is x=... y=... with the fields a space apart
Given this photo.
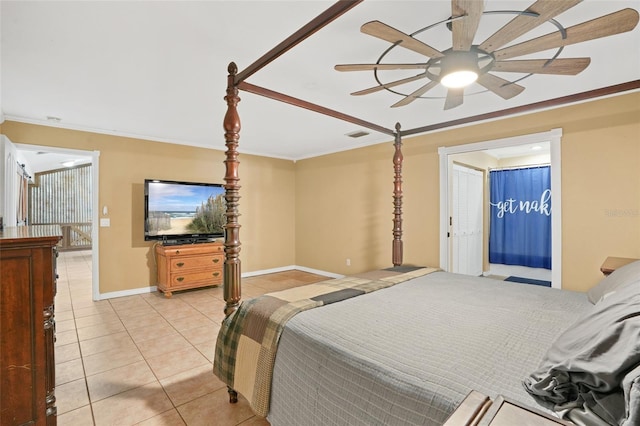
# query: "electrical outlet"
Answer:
x=348 y=262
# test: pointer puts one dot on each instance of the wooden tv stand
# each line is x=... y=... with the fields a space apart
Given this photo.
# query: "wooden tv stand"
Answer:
x=189 y=266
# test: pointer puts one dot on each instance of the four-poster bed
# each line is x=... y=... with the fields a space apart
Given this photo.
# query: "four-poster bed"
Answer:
x=327 y=371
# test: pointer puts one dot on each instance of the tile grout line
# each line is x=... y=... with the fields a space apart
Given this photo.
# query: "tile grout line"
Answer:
x=195 y=304
x=84 y=371
x=148 y=365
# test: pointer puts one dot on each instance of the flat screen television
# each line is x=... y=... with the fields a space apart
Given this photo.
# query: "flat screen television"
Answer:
x=183 y=212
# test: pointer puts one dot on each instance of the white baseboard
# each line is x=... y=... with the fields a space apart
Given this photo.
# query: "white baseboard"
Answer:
x=318 y=272
x=268 y=271
x=291 y=268
x=123 y=293
x=151 y=289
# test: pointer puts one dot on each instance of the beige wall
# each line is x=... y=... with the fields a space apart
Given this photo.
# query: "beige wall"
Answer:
x=344 y=210
x=344 y=204
x=319 y=212
x=126 y=260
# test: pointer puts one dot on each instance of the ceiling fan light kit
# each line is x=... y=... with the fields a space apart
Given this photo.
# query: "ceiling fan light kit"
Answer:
x=459 y=69
x=459 y=79
x=465 y=63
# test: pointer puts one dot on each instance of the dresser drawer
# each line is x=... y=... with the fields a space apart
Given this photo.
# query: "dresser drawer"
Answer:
x=210 y=277
x=191 y=249
x=197 y=262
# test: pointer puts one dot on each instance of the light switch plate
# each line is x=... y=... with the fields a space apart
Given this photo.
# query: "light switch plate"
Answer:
x=105 y=222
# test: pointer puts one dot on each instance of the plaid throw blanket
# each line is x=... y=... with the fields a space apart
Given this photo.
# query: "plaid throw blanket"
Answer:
x=248 y=339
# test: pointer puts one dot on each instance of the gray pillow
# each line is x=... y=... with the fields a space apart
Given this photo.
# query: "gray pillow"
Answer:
x=588 y=373
x=620 y=277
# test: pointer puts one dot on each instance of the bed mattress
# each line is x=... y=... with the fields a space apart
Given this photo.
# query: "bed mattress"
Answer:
x=409 y=354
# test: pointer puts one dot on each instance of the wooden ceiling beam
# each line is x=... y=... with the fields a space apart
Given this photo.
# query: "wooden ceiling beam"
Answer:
x=550 y=103
x=251 y=88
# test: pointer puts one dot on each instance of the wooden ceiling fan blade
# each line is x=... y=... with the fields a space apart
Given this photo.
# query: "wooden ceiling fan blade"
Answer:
x=388 y=85
x=614 y=23
x=415 y=95
x=568 y=66
x=464 y=29
x=521 y=24
x=455 y=98
x=371 y=67
x=390 y=34
x=501 y=87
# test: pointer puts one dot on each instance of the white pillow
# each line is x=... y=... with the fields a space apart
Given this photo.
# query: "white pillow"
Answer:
x=629 y=273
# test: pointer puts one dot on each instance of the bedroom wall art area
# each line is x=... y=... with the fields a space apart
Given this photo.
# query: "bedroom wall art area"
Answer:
x=600 y=155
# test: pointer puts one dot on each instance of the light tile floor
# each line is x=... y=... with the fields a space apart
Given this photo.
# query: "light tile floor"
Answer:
x=145 y=359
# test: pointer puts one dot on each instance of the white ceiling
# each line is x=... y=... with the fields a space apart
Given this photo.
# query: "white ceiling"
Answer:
x=157 y=69
x=42 y=160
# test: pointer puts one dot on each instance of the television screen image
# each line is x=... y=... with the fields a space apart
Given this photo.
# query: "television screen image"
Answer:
x=183 y=212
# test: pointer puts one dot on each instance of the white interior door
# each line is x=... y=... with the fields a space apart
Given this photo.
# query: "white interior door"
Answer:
x=466 y=220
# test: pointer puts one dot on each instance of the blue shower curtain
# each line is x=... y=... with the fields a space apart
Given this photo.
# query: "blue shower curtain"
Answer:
x=520 y=224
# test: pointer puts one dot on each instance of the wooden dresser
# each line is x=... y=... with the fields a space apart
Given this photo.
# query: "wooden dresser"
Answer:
x=612 y=263
x=189 y=266
x=27 y=290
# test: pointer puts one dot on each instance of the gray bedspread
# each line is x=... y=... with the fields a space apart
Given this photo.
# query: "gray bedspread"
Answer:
x=409 y=354
x=591 y=374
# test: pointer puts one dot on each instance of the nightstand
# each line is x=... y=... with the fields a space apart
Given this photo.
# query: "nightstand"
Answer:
x=478 y=410
x=612 y=263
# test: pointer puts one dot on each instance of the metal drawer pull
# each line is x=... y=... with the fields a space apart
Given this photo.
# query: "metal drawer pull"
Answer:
x=180 y=279
x=215 y=274
x=216 y=260
x=180 y=264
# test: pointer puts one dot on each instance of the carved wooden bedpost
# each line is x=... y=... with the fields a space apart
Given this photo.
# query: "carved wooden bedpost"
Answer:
x=232 y=196
x=397 y=200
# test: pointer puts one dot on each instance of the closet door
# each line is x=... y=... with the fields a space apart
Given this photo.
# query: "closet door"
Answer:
x=466 y=220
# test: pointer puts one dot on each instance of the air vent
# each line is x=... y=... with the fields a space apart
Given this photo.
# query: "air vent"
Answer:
x=357 y=134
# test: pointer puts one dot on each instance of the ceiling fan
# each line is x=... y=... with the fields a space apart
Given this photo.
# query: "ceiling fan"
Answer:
x=465 y=63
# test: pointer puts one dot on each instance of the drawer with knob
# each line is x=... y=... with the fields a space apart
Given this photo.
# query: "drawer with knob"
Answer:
x=196 y=262
x=188 y=279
